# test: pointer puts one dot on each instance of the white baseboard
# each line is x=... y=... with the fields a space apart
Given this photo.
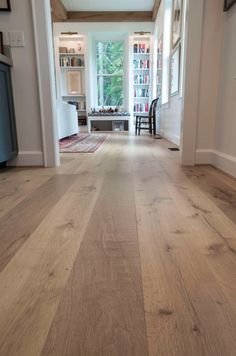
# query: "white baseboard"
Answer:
x=172 y=138
x=27 y=158
x=223 y=161
x=204 y=156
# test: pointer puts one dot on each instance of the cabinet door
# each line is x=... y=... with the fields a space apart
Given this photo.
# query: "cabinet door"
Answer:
x=8 y=138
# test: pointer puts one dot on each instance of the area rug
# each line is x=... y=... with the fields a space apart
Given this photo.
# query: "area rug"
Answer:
x=82 y=143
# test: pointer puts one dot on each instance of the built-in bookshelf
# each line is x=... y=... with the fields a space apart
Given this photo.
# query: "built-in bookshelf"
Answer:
x=141 y=76
x=72 y=66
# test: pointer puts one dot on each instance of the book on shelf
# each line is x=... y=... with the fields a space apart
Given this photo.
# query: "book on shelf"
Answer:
x=141 y=64
x=141 y=107
x=75 y=49
x=141 y=93
x=141 y=79
x=71 y=62
x=141 y=48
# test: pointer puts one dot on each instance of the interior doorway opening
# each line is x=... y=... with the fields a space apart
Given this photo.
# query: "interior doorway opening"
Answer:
x=78 y=74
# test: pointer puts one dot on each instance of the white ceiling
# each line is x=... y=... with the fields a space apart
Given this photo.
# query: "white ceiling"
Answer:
x=109 y=5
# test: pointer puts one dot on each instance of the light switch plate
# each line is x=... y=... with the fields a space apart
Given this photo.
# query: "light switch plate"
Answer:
x=17 y=39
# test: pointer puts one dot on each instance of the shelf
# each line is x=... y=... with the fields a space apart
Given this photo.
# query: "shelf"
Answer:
x=81 y=110
x=72 y=67
x=140 y=97
x=142 y=54
x=140 y=69
x=141 y=84
x=141 y=113
x=71 y=54
x=74 y=96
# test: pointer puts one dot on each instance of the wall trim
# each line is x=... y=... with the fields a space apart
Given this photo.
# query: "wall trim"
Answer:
x=41 y=11
x=172 y=138
x=204 y=156
x=27 y=158
x=220 y=160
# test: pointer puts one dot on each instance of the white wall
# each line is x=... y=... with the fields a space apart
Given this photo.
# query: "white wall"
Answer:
x=171 y=119
x=209 y=72
x=225 y=141
x=25 y=84
x=171 y=112
x=216 y=142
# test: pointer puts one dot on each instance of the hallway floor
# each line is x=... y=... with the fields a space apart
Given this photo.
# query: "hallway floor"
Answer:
x=121 y=252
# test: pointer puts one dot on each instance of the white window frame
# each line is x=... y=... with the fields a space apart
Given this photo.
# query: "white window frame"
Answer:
x=109 y=39
x=166 y=51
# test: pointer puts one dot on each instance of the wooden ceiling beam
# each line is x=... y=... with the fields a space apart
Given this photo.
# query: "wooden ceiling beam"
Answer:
x=59 y=13
x=109 y=16
x=155 y=9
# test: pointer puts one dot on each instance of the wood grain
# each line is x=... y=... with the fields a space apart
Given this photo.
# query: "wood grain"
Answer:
x=122 y=252
x=16 y=187
x=33 y=281
x=104 y=315
x=19 y=223
x=217 y=187
x=155 y=9
x=59 y=12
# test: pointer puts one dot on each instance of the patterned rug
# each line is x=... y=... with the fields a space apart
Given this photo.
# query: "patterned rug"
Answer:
x=82 y=143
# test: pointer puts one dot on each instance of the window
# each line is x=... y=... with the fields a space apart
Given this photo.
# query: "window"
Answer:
x=166 y=51
x=110 y=73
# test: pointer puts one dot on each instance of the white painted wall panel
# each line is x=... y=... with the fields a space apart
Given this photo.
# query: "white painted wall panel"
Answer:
x=24 y=75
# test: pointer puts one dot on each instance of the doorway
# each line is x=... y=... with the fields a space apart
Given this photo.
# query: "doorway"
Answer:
x=47 y=92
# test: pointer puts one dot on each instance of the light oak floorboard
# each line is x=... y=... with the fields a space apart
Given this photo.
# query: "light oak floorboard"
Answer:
x=101 y=311
x=20 y=222
x=14 y=189
x=121 y=252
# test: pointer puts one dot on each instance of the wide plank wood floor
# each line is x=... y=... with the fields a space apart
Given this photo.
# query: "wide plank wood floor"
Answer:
x=118 y=253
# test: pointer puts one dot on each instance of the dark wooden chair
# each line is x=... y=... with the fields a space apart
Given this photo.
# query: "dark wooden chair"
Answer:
x=147 y=121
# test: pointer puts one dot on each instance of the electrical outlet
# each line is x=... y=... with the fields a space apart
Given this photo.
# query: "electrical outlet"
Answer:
x=16 y=39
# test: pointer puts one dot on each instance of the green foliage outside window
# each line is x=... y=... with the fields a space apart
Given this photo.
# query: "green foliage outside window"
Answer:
x=110 y=81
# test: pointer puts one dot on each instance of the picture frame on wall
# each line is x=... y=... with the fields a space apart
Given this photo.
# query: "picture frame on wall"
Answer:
x=74 y=82
x=175 y=71
x=228 y=4
x=1 y=43
x=5 y=5
x=176 y=22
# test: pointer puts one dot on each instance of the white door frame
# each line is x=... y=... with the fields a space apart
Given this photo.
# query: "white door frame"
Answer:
x=41 y=11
